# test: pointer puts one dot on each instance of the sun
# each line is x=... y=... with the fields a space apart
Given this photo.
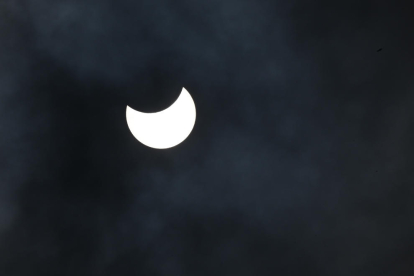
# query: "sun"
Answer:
x=166 y=128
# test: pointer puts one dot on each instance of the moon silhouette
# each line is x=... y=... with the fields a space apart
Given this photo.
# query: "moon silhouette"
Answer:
x=166 y=128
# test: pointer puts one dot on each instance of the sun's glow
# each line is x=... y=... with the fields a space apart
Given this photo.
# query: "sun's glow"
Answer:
x=164 y=129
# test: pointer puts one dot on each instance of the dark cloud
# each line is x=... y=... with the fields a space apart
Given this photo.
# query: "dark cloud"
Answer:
x=300 y=161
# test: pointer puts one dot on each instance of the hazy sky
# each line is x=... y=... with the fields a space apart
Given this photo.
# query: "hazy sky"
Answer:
x=300 y=162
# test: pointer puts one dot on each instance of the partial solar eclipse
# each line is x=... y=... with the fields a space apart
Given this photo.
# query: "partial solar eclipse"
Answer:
x=166 y=128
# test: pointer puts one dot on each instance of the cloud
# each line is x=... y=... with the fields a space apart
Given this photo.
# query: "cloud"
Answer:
x=300 y=159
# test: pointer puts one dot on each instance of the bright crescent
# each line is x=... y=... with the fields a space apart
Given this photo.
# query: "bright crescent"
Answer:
x=166 y=128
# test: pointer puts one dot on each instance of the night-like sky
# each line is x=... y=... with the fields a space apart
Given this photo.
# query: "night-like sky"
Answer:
x=301 y=160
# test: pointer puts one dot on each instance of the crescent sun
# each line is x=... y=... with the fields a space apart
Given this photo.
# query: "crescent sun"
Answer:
x=166 y=128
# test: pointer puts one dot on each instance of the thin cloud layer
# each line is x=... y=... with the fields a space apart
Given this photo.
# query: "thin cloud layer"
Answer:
x=300 y=160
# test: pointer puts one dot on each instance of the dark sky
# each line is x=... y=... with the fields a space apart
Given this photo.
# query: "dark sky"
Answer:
x=301 y=161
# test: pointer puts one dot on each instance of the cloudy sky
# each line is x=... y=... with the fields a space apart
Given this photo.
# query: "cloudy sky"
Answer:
x=300 y=162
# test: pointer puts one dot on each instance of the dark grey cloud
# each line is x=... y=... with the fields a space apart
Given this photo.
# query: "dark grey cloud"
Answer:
x=300 y=161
